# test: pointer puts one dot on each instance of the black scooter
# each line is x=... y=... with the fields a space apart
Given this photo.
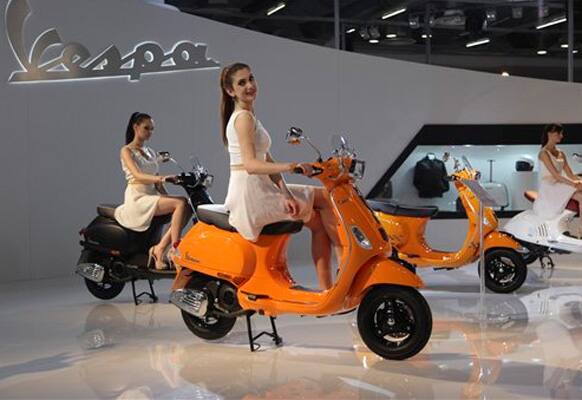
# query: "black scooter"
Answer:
x=113 y=255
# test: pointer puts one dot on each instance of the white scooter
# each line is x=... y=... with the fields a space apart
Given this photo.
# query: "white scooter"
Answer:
x=545 y=237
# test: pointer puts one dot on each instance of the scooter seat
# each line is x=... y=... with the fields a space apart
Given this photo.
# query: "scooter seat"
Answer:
x=106 y=210
x=217 y=215
x=532 y=195
x=393 y=208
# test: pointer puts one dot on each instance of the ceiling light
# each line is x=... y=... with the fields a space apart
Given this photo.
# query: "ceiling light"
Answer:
x=574 y=51
x=413 y=22
x=391 y=35
x=478 y=42
x=392 y=13
x=564 y=45
x=276 y=8
x=373 y=41
x=505 y=73
x=542 y=52
x=552 y=22
x=424 y=35
x=351 y=30
x=491 y=15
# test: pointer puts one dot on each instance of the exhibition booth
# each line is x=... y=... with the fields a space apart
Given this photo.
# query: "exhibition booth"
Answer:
x=76 y=322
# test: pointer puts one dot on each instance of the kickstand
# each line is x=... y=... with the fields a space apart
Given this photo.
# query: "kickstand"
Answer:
x=151 y=293
x=274 y=335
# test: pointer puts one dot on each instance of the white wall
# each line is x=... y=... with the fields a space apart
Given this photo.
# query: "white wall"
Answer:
x=62 y=138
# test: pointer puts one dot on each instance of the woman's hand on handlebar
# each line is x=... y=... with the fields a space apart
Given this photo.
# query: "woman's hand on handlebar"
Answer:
x=303 y=168
x=169 y=178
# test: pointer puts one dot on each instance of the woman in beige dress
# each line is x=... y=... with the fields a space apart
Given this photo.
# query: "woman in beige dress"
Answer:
x=557 y=182
x=145 y=196
x=257 y=194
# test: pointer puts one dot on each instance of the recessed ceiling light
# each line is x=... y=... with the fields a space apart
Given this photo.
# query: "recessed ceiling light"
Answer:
x=555 y=21
x=542 y=52
x=373 y=41
x=564 y=45
x=424 y=35
x=505 y=73
x=478 y=42
x=574 y=51
x=276 y=8
x=351 y=30
x=393 y=13
x=391 y=35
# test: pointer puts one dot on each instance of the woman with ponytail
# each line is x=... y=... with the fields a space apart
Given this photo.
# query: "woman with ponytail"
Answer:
x=257 y=193
x=145 y=195
x=557 y=183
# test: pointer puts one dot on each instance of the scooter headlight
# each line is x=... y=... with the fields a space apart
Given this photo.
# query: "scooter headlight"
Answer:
x=361 y=238
x=357 y=168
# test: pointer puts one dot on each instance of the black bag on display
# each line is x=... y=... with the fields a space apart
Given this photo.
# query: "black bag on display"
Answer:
x=430 y=176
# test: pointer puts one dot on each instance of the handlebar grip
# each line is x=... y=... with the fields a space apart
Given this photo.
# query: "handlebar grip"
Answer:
x=298 y=170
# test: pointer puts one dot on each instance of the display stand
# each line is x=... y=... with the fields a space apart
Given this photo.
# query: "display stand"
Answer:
x=485 y=200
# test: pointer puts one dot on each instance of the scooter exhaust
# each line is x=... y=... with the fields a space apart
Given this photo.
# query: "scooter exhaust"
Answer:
x=194 y=302
x=92 y=271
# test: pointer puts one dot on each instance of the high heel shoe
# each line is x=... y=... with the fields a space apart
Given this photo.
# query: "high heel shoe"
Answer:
x=157 y=264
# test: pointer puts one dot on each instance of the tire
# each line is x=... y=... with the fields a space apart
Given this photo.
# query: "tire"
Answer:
x=210 y=327
x=105 y=290
x=411 y=324
x=505 y=270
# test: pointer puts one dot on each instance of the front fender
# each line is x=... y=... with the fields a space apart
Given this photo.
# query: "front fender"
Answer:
x=380 y=271
x=497 y=239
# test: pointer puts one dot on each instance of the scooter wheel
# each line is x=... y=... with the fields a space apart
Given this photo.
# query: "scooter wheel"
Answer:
x=210 y=327
x=104 y=290
x=505 y=270
x=395 y=322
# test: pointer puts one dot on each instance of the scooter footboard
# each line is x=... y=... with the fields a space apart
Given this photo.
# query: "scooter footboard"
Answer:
x=380 y=271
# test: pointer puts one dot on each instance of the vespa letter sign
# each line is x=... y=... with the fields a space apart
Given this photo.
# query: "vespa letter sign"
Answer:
x=75 y=62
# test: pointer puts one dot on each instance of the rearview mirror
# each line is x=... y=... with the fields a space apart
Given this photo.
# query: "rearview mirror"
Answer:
x=294 y=135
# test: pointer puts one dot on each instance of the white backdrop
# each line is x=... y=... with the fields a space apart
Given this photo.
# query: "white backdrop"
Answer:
x=62 y=139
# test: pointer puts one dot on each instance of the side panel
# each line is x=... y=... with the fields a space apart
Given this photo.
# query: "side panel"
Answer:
x=215 y=252
x=380 y=271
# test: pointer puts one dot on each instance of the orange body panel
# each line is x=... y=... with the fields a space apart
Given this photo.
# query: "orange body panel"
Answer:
x=407 y=234
x=259 y=269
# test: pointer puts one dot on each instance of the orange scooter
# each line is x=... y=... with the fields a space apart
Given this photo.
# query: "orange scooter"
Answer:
x=231 y=277
x=505 y=259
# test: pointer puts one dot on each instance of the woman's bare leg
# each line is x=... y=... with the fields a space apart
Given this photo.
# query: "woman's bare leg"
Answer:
x=320 y=250
x=578 y=197
x=177 y=206
x=322 y=203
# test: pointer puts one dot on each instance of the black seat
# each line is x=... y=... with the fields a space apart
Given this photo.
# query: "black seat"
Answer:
x=106 y=210
x=393 y=208
x=217 y=215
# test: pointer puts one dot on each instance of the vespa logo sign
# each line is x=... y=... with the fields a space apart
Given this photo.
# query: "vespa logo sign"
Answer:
x=75 y=62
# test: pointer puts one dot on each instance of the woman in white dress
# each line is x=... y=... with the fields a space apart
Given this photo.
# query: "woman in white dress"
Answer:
x=557 y=183
x=145 y=195
x=257 y=194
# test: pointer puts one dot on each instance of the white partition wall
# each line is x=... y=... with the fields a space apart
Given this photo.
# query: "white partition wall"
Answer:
x=62 y=138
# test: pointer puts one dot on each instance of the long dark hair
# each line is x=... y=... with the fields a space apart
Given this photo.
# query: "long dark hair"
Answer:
x=136 y=118
x=227 y=102
x=550 y=128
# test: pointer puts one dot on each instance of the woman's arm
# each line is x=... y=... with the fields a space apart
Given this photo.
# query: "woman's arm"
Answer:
x=139 y=176
x=245 y=132
x=278 y=179
x=568 y=170
x=545 y=158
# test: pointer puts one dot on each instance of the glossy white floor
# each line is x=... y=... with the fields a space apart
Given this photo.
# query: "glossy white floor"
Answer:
x=59 y=342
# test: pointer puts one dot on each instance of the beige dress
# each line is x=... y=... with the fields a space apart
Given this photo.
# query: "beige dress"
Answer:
x=553 y=196
x=141 y=199
x=254 y=200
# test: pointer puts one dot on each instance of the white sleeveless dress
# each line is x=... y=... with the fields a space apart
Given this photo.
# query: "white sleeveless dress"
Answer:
x=254 y=200
x=552 y=195
x=141 y=200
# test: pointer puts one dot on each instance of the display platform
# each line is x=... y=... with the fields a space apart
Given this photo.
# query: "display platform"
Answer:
x=59 y=342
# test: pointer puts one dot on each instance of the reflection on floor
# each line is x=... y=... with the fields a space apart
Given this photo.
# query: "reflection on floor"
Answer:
x=59 y=342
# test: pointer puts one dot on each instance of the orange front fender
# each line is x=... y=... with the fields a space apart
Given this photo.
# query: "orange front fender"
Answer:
x=497 y=239
x=380 y=271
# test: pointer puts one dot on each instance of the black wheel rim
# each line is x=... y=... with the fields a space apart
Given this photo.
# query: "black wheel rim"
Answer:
x=502 y=270
x=394 y=322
